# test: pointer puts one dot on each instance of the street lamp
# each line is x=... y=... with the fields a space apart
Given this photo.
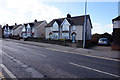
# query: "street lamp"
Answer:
x=85 y=25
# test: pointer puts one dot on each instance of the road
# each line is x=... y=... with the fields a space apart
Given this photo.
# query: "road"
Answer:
x=21 y=60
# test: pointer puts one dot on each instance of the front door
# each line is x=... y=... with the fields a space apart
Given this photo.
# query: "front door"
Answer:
x=73 y=38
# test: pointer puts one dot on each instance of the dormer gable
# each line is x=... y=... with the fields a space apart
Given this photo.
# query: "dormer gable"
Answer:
x=28 y=26
x=55 y=26
x=65 y=22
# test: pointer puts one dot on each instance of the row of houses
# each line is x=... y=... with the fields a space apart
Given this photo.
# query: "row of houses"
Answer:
x=71 y=28
x=61 y=28
x=33 y=29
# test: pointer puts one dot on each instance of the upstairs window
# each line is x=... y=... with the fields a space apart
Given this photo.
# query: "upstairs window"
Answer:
x=55 y=27
x=73 y=28
x=65 y=28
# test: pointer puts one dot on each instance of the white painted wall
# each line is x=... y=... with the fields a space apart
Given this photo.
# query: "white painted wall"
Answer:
x=23 y=28
x=65 y=22
x=79 y=32
x=47 y=31
x=17 y=31
x=39 y=31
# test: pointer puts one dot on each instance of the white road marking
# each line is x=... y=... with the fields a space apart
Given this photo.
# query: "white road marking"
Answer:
x=96 y=70
x=34 y=73
x=8 y=71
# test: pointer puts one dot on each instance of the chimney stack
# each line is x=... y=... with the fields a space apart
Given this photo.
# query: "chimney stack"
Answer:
x=68 y=16
x=35 y=20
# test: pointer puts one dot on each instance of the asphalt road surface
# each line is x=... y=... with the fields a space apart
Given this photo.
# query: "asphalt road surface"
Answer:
x=29 y=61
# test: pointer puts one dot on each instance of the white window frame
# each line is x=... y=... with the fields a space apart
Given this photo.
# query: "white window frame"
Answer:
x=74 y=28
x=55 y=26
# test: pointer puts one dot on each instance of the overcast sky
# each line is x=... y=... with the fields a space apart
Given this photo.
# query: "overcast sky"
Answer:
x=24 y=11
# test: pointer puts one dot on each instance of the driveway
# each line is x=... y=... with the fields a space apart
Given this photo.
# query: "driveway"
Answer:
x=101 y=48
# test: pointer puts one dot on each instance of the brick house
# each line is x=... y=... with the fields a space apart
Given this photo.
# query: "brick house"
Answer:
x=116 y=33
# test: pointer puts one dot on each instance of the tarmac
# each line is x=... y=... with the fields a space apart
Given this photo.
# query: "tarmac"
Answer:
x=100 y=51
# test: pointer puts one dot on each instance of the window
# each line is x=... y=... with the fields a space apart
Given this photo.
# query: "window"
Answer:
x=73 y=28
x=55 y=27
x=55 y=36
x=50 y=29
x=65 y=35
x=65 y=28
x=29 y=30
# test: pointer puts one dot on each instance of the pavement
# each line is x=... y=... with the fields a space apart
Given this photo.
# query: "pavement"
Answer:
x=100 y=51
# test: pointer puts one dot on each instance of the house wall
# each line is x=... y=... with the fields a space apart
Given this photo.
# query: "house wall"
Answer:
x=47 y=31
x=78 y=31
x=41 y=29
x=7 y=32
x=116 y=35
x=17 y=31
x=35 y=32
x=0 y=31
x=89 y=34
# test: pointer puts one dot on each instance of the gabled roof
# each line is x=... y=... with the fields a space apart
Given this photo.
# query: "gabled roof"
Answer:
x=35 y=24
x=117 y=18
x=10 y=27
x=77 y=20
x=38 y=23
x=16 y=26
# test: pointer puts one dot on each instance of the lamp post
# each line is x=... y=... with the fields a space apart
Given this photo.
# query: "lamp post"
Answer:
x=85 y=25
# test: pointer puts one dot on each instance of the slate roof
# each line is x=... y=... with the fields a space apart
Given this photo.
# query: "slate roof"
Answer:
x=35 y=24
x=16 y=26
x=10 y=27
x=117 y=18
x=77 y=20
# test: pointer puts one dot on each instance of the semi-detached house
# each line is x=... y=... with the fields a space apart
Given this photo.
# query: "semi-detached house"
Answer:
x=34 y=29
x=69 y=28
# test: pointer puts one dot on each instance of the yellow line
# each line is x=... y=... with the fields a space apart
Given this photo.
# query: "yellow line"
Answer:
x=85 y=54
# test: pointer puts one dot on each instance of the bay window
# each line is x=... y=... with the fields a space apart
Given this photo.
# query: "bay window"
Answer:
x=55 y=36
x=65 y=35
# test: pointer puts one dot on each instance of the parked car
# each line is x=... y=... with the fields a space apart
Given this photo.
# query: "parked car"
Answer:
x=103 y=41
